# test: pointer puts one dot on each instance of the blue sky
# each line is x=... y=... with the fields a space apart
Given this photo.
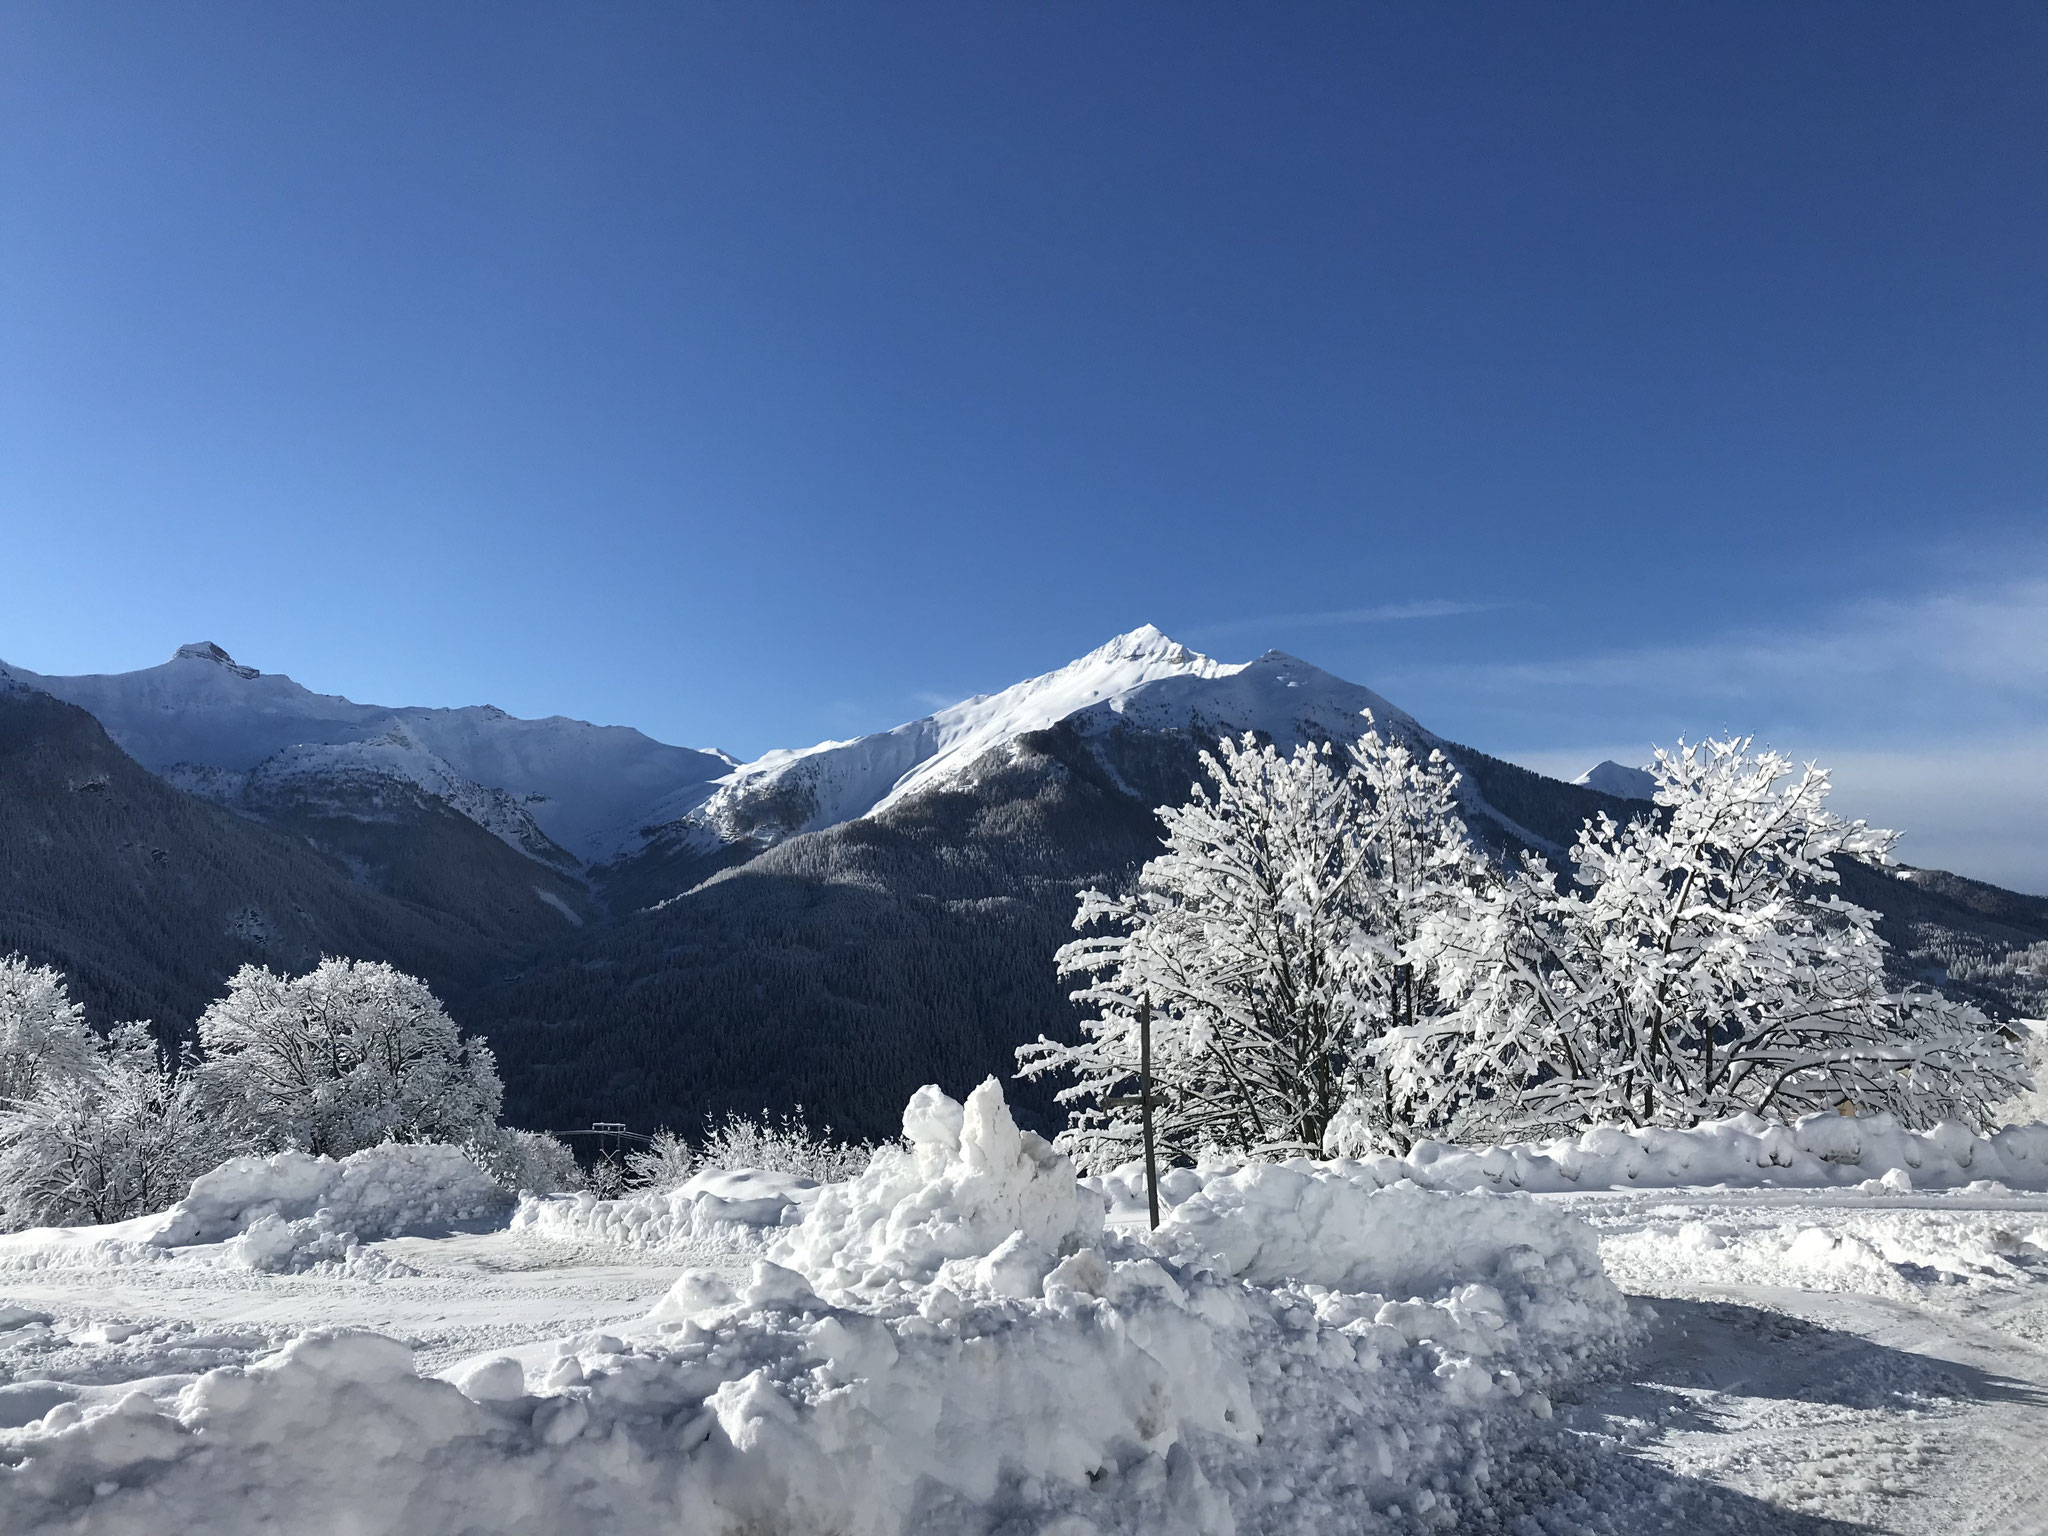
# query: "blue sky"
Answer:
x=1575 y=375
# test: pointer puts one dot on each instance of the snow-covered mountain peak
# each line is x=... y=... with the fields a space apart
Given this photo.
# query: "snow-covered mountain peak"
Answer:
x=786 y=792
x=206 y=650
x=1611 y=778
x=210 y=723
x=1148 y=645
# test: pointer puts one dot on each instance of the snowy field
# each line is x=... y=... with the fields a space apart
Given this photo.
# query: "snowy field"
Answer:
x=956 y=1342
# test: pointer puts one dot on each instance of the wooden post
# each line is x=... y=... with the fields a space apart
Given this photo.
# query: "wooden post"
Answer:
x=1145 y=1106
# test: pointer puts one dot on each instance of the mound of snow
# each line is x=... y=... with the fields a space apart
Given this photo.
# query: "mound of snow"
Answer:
x=710 y=1204
x=970 y=1186
x=951 y=1343
x=286 y=1211
x=1873 y=1153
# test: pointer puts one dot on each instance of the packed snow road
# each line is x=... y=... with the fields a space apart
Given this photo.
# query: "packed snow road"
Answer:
x=1833 y=1362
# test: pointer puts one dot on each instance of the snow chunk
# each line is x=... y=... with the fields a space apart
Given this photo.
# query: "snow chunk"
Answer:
x=717 y=1204
x=970 y=1186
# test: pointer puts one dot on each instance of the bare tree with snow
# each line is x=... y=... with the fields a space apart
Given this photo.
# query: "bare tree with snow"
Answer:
x=121 y=1135
x=1419 y=863
x=1702 y=966
x=1243 y=935
x=43 y=1033
x=349 y=1055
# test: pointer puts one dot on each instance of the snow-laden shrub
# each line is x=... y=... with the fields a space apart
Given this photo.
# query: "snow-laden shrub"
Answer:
x=664 y=1163
x=781 y=1144
x=349 y=1055
x=1702 y=966
x=1266 y=941
x=525 y=1162
x=115 y=1134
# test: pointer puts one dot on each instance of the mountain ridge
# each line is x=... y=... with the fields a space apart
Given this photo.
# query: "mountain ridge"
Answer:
x=871 y=915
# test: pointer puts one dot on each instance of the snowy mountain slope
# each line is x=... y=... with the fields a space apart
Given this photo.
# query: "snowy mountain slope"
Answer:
x=789 y=792
x=221 y=729
x=149 y=898
x=1142 y=680
x=1610 y=778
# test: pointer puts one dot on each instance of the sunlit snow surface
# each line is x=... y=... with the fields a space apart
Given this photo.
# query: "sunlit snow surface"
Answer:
x=956 y=1342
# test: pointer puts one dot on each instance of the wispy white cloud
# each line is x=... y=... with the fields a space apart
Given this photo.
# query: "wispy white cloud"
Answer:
x=1931 y=711
x=1968 y=660
x=1385 y=613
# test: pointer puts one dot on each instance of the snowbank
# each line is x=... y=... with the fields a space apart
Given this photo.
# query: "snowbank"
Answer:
x=287 y=1211
x=949 y=1343
x=712 y=1204
x=1873 y=1153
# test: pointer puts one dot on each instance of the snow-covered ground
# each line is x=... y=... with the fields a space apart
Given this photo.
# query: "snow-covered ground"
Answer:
x=954 y=1342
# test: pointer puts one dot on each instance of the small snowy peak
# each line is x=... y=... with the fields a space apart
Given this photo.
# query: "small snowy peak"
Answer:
x=206 y=650
x=1278 y=695
x=785 y=793
x=1610 y=778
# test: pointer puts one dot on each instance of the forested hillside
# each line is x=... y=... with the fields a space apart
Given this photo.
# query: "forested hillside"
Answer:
x=148 y=898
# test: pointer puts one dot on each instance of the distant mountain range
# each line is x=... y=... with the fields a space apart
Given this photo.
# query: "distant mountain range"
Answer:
x=649 y=932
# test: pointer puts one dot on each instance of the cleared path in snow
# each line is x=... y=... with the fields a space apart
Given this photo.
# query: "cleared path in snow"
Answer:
x=1889 y=1378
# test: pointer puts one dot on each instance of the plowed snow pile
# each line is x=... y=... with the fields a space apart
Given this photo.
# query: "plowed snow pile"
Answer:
x=287 y=1211
x=1871 y=1154
x=950 y=1343
x=710 y=1205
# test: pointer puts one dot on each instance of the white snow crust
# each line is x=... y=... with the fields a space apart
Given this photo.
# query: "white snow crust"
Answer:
x=1872 y=1154
x=952 y=1342
x=1611 y=778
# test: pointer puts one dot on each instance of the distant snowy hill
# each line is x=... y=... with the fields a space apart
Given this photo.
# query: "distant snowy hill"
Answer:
x=1610 y=778
x=243 y=738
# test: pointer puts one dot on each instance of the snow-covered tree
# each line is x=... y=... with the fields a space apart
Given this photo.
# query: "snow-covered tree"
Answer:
x=121 y=1136
x=1244 y=936
x=43 y=1033
x=349 y=1055
x=1419 y=863
x=1701 y=966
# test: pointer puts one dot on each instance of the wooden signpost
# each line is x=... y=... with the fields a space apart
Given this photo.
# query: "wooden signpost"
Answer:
x=1143 y=1100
